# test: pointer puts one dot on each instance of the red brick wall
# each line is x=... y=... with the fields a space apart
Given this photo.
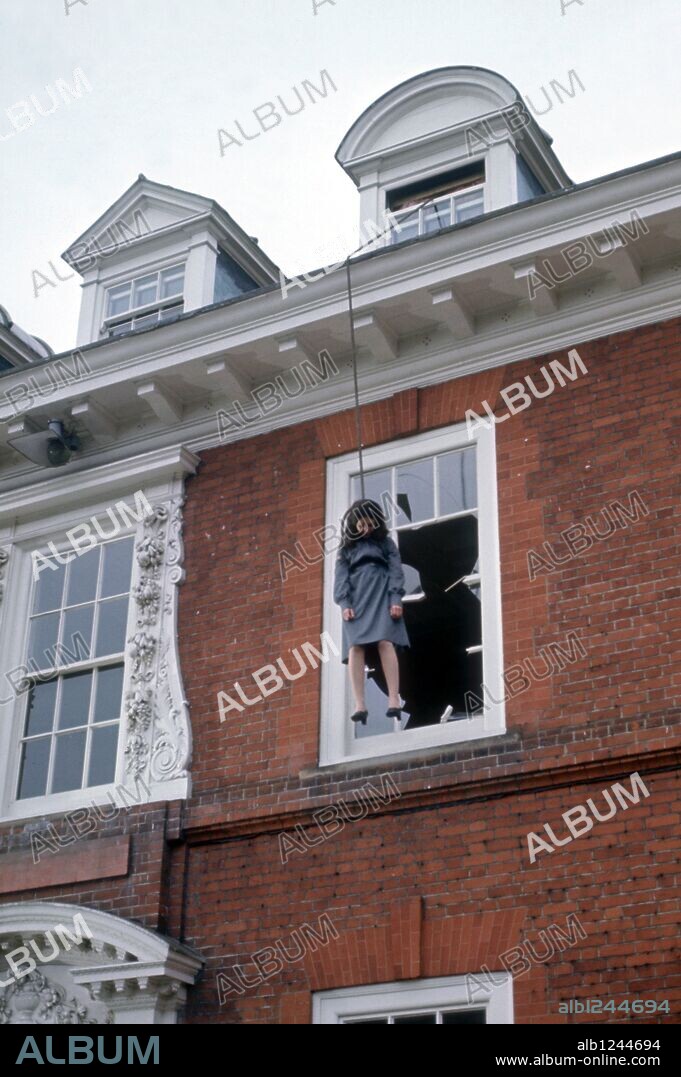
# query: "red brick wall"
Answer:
x=453 y=846
x=460 y=844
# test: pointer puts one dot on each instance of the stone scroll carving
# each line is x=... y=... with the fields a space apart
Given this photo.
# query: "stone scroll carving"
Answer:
x=158 y=744
x=34 y=999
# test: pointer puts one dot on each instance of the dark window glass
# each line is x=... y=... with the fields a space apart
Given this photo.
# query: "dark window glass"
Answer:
x=43 y=640
x=113 y=616
x=415 y=492
x=74 y=705
x=49 y=586
x=103 y=748
x=41 y=700
x=416 y=1019
x=78 y=621
x=83 y=578
x=108 y=694
x=68 y=761
x=117 y=568
x=35 y=761
x=457 y=482
x=464 y=1017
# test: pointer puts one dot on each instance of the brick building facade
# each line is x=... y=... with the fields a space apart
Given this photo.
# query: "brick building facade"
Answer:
x=279 y=869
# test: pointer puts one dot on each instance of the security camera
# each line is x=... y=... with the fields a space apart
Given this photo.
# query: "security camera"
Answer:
x=48 y=448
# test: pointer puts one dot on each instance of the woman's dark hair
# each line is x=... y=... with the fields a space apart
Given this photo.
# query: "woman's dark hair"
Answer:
x=363 y=509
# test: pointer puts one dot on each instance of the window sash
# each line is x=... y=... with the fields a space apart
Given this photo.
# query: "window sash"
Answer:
x=88 y=727
x=416 y=217
x=93 y=664
x=159 y=277
x=441 y=995
x=337 y=741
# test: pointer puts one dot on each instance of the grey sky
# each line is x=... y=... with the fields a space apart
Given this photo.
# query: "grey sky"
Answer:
x=165 y=74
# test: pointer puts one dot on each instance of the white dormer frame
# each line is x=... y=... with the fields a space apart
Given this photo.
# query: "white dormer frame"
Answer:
x=418 y=130
x=153 y=227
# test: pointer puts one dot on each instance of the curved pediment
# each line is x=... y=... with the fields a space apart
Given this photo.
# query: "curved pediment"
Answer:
x=424 y=106
x=67 y=964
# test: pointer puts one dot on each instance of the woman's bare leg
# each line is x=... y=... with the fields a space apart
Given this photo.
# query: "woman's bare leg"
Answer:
x=357 y=679
x=391 y=671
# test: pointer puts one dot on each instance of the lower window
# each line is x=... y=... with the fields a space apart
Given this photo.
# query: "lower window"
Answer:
x=442 y=1001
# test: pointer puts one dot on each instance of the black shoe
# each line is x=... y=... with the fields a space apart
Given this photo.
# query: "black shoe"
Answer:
x=393 y=712
x=360 y=716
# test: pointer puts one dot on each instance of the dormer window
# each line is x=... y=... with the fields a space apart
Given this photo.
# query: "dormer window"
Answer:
x=423 y=208
x=144 y=301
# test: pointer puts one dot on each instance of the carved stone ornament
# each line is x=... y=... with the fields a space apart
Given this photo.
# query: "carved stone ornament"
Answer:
x=35 y=1000
x=117 y=973
x=158 y=744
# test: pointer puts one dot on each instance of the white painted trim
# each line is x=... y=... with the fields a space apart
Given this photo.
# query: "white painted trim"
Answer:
x=336 y=742
x=408 y=996
x=167 y=740
x=120 y=969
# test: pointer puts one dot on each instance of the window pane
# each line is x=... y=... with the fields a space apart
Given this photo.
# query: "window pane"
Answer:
x=108 y=694
x=35 y=760
x=40 y=717
x=438 y=215
x=49 y=587
x=113 y=617
x=377 y=486
x=464 y=1017
x=102 y=769
x=83 y=578
x=457 y=481
x=172 y=282
x=79 y=620
x=368 y=1021
x=469 y=205
x=414 y=491
x=117 y=568
x=74 y=705
x=42 y=639
x=68 y=762
x=145 y=290
x=148 y=319
x=407 y=226
x=122 y=327
x=416 y=1019
x=171 y=312
x=119 y=300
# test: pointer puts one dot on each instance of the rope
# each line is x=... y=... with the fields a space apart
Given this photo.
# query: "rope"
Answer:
x=358 y=408
x=353 y=343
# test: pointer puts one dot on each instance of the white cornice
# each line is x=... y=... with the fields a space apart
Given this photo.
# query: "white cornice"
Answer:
x=73 y=485
x=399 y=275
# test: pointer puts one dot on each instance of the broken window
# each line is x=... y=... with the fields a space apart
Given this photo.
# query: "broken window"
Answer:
x=433 y=517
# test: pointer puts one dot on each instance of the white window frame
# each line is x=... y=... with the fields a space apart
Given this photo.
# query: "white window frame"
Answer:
x=160 y=477
x=110 y=321
x=417 y=210
x=336 y=741
x=38 y=805
x=409 y=997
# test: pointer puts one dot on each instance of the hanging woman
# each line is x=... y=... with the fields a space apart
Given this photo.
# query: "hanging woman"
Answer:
x=369 y=586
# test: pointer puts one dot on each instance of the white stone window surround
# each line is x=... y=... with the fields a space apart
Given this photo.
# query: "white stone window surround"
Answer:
x=414 y=996
x=123 y=974
x=155 y=736
x=337 y=743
